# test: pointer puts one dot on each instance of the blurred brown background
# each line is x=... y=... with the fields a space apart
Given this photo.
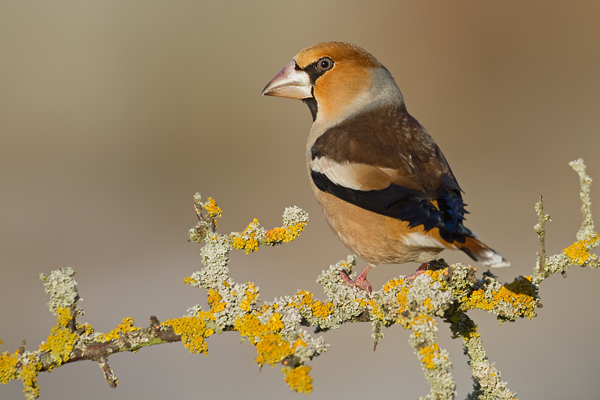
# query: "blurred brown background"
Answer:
x=113 y=113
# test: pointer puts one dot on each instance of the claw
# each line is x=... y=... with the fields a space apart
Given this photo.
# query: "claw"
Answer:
x=418 y=272
x=360 y=281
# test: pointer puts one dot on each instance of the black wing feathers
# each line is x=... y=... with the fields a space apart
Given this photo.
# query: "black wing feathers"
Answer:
x=406 y=205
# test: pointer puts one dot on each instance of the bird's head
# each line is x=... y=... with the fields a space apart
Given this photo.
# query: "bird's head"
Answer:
x=335 y=79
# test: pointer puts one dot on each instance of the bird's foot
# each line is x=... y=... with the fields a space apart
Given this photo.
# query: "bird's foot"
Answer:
x=418 y=272
x=360 y=281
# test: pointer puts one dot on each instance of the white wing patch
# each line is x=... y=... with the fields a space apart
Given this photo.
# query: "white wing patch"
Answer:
x=418 y=239
x=350 y=175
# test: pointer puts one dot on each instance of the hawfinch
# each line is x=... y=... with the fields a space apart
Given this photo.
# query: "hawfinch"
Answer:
x=384 y=185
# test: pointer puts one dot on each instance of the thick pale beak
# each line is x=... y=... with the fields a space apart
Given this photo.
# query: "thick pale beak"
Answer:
x=290 y=82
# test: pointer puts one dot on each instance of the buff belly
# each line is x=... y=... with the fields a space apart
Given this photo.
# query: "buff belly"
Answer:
x=376 y=238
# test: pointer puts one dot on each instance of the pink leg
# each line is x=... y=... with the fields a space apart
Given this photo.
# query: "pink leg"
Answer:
x=418 y=272
x=360 y=281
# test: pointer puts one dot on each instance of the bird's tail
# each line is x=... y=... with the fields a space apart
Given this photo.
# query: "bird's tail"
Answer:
x=478 y=251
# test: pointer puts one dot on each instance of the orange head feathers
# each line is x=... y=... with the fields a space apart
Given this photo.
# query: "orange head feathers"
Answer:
x=336 y=75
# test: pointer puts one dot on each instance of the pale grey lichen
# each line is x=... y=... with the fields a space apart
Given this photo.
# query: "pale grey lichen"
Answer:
x=194 y=310
x=215 y=256
x=291 y=318
x=487 y=380
x=460 y=281
x=587 y=238
x=294 y=215
x=313 y=348
x=540 y=271
x=62 y=289
x=423 y=288
x=585 y=183
x=346 y=299
x=435 y=361
x=194 y=234
x=557 y=263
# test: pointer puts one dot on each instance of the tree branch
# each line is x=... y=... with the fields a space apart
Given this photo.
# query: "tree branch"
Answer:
x=277 y=328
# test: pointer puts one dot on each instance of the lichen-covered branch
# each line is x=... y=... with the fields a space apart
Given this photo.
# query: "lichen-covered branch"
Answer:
x=587 y=239
x=278 y=329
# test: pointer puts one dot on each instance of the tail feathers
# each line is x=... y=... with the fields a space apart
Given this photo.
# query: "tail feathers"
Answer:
x=479 y=252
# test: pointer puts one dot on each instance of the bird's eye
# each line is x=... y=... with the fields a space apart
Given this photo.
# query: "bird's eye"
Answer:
x=325 y=64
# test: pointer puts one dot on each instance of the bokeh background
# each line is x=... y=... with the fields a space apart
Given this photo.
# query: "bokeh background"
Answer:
x=114 y=113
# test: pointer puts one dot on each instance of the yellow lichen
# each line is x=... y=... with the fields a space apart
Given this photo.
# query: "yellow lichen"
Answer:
x=362 y=302
x=125 y=326
x=427 y=304
x=272 y=349
x=578 y=252
x=392 y=285
x=299 y=342
x=88 y=329
x=376 y=311
x=213 y=209
x=250 y=299
x=254 y=236
x=285 y=234
x=250 y=326
x=192 y=330
x=520 y=295
x=247 y=241
x=189 y=281
x=28 y=375
x=8 y=371
x=214 y=299
x=318 y=308
x=422 y=320
x=61 y=340
x=437 y=276
x=402 y=302
x=430 y=353
x=270 y=345
x=298 y=378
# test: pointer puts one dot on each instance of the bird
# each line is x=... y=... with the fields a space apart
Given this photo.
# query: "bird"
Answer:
x=383 y=184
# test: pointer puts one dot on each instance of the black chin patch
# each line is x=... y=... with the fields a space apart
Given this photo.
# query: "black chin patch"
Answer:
x=312 y=106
